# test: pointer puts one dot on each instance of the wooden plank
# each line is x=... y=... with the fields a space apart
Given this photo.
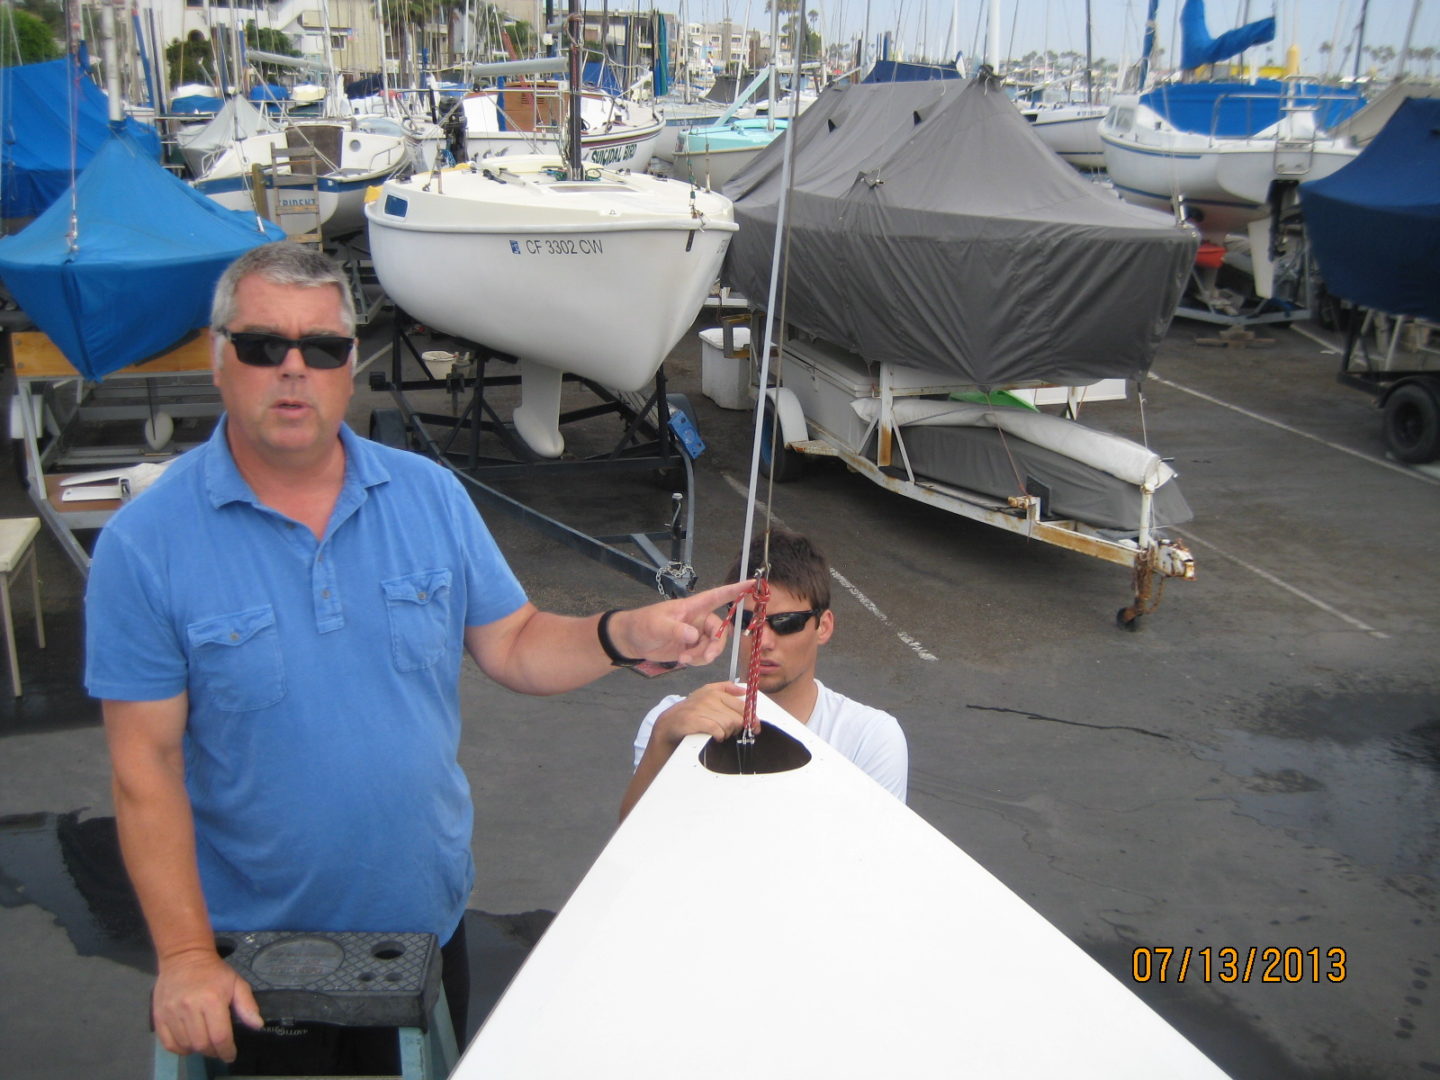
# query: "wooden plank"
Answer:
x=36 y=356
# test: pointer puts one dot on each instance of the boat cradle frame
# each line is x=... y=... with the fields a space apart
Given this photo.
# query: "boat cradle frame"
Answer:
x=1151 y=557
x=648 y=443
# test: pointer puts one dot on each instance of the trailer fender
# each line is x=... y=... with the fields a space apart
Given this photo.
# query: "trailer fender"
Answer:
x=792 y=417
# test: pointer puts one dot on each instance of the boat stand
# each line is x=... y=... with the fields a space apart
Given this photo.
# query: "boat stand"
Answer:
x=353 y=255
x=651 y=442
x=75 y=478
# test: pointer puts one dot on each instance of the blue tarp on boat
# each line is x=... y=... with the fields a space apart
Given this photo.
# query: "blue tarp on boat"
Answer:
x=1199 y=48
x=1374 y=225
x=886 y=71
x=600 y=75
x=1237 y=110
x=35 y=129
x=149 y=251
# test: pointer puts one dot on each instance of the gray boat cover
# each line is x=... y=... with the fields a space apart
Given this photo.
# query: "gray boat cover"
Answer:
x=929 y=226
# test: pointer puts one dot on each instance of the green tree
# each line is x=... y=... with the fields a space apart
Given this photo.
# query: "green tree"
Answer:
x=272 y=41
x=50 y=11
x=26 y=39
x=189 y=61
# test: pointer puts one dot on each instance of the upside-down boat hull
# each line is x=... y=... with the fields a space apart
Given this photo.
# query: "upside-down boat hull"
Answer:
x=805 y=923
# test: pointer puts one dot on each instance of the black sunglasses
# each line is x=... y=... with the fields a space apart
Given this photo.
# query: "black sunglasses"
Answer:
x=782 y=622
x=323 y=351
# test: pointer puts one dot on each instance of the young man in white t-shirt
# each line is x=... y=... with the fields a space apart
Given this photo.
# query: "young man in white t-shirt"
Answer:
x=798 y=621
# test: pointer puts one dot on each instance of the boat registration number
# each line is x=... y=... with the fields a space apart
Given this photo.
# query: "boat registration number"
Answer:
x=557 y=247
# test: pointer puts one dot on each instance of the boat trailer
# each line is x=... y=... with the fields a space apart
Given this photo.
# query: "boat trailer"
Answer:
x=659 y=437
x=1403 y=373
x=835 y=409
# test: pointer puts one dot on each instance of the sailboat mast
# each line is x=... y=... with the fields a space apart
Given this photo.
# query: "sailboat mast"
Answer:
x=774 y=62
x=575 y=31
x=1089 y=59
x=1409 y=37
x=992 y=45
x=1360 y=36
x=1149 y=46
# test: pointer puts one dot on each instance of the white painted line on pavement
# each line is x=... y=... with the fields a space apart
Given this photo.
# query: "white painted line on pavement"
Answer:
x=1329 y=609
x=908 y=640
x=1403 y=470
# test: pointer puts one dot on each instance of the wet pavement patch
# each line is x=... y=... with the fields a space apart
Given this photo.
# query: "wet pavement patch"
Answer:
x=71 y=868
x=1375 y=800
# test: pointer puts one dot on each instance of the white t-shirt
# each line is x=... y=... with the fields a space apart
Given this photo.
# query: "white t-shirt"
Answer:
x=872 y=739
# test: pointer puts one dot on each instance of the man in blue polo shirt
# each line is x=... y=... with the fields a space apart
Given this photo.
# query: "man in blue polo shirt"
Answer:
x=275 y=630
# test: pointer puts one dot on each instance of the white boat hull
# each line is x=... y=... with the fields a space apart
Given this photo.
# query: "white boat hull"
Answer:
x=599 y=284
x=1224 y=183
x=807 y=924
x=366 y=159
x=618 y=134
x=712 y=169
x=1072 y=132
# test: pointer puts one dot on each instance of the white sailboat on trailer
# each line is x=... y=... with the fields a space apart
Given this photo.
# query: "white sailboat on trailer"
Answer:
x=566 y=267
x=849 y=938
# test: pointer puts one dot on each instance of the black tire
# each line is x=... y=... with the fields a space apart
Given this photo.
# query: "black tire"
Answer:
x=387 y=427
x=776 y=462
x=1412 y=422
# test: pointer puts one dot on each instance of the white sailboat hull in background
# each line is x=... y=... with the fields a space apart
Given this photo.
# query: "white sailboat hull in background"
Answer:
x=807 y=924
x=1071 y=131
x=1224 y=182
x=364 y=159
x=525 y=118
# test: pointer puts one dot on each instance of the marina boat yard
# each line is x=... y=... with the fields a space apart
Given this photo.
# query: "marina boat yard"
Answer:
x=1255 y=768
x=1233 y=814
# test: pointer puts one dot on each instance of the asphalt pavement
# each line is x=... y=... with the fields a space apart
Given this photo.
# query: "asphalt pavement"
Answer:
x=1258 y=768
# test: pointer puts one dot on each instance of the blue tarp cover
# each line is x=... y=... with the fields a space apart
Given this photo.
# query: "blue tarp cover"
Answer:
x=1236 y=110
x=35 y=128
x=899 y=71
x=1374 y=225
x=150 y=249
x=600 y=75
x=1199 y=48
x=196 y=104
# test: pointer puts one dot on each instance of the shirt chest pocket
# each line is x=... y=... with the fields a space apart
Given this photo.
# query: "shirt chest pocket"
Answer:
x=235 y=660
x=419 y=609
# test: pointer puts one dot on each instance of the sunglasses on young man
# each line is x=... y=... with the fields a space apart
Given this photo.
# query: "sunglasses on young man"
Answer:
x=782 y=622
x=323 y=351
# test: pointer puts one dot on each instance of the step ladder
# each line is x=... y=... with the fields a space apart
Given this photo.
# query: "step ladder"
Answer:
x=290 y=188
x=371 y=980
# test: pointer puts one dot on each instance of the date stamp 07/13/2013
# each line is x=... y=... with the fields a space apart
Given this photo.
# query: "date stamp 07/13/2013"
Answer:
x=1237 y=964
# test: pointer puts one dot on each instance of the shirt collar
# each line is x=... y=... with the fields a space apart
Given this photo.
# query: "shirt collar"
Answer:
x=224 y=484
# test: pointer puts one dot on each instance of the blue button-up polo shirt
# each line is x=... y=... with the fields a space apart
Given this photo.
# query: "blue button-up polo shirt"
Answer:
x=322 y=678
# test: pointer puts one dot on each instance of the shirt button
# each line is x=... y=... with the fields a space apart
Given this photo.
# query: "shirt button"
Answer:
x=234 y=636
x=420 y=596
x=325 y=595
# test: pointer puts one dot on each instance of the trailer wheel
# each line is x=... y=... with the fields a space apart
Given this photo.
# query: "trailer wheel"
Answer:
x=387 y=427
x=1412 y=422
x=776 y=462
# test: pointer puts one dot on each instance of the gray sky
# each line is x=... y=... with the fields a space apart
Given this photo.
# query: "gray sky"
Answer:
x=1026 y=25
